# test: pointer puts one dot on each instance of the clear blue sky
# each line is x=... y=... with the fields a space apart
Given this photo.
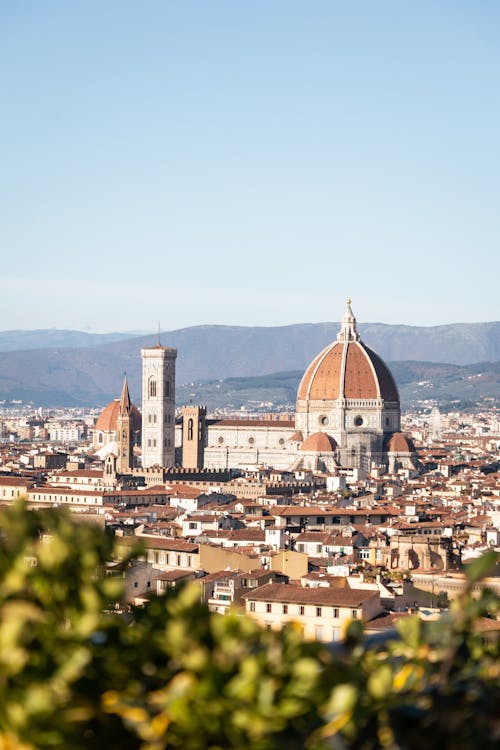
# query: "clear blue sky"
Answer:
x=248 y=162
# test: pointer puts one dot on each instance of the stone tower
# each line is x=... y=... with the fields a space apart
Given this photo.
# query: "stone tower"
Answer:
x=193 y=436
x=124 y=434
x=158 y=406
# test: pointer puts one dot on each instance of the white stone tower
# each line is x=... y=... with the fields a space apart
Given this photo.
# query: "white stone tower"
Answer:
x=158 y=406
x=435 y=425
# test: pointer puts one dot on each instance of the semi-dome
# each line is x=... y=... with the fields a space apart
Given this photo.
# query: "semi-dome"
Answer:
x=347 y=369
x=319 y=442
x=399 y=443
x=107 y=419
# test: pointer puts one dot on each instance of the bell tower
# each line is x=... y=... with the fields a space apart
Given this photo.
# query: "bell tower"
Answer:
x=125 y=458
x=158 y=406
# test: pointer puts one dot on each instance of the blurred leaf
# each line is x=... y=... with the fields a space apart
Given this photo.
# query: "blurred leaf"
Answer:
x=482 y=566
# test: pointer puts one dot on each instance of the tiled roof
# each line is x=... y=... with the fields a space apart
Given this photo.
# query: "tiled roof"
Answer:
x=321 y=596
x=350 y=370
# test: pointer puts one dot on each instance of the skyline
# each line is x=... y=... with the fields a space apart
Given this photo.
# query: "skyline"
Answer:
x=248 y=164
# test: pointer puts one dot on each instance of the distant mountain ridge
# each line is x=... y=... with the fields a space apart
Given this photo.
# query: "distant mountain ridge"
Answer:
x=50 y=338
x=84 y=372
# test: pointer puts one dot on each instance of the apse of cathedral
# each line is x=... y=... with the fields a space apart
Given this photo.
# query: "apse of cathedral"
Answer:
x=347 y=415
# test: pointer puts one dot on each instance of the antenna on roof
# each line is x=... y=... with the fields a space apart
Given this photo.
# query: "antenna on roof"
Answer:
x=159 y=341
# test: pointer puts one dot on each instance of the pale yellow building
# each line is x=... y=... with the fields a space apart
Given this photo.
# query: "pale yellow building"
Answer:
x=323 y=613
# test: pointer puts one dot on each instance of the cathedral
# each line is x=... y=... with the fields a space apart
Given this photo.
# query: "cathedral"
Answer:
x=347 y=416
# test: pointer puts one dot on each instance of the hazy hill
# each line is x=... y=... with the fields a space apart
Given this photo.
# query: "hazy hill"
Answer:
x=49 y=338
x=92 y=375
x=280 y=347
x=450 y=385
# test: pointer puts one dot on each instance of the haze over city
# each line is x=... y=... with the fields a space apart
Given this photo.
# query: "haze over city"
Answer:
x=248 y=163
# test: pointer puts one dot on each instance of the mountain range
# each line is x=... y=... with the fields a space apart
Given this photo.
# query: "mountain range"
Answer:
x=72 y=368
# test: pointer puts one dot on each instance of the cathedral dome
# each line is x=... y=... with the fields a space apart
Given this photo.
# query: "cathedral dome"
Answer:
x=347 y=369
x=107 y=419
x=319 y=442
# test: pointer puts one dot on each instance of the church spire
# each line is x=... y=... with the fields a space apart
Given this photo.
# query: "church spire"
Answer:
x=348 y=325
x=125 y=402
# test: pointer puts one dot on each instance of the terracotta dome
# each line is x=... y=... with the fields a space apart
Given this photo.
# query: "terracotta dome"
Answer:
x=297 y=437
x=107 y=419
x=319 y=442
x=348 y=369
x=398 y=443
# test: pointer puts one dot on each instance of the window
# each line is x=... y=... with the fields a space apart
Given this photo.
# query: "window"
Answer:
x=152 y=388
x=285 y=609
x=192 y=524
x=268 y=607
x=190 y=429
x=354 y=614
x=251 y=606
x=318 y=611
x=167 y=389
x=336 y=612
x=302 y=610
x=358 y=421
x=178 y=560
x=251 y=440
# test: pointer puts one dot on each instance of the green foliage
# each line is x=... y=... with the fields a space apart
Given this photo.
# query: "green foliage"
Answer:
x=74 y=674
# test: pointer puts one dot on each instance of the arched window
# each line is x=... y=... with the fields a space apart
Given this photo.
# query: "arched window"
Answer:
x=152 y=388
x=167 y=389
x=190 y=429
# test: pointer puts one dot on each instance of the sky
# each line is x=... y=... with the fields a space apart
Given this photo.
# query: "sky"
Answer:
x=248 y=162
